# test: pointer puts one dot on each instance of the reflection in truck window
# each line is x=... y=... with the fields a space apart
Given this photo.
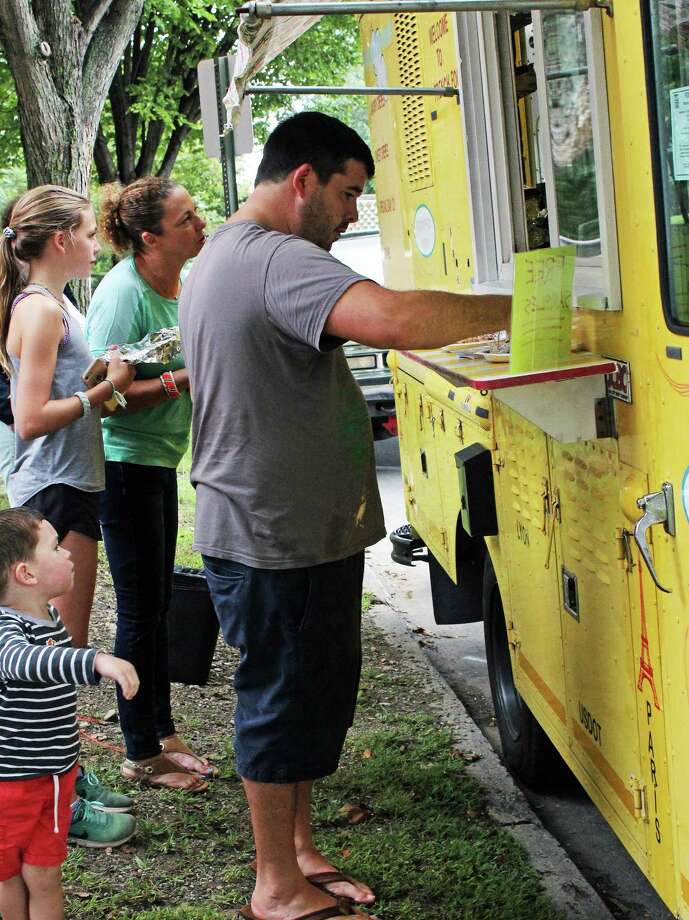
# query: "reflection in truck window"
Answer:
x=571 y=136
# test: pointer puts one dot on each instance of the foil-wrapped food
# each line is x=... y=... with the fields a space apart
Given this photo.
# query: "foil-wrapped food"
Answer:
x=158 y=347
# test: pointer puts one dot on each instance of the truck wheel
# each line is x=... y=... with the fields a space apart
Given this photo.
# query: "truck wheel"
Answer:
x=526 y=748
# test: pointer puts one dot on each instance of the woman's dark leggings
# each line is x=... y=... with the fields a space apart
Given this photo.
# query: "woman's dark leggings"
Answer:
x=139 y=519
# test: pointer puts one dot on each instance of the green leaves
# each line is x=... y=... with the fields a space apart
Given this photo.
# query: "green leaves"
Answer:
x=153 y=110
x=327 y=55
x=10 y=140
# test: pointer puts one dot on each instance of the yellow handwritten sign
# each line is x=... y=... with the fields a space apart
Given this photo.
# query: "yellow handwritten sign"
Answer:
x=541 y=308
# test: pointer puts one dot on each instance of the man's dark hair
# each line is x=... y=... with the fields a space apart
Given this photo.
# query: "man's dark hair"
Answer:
x=324 y=142
x=18 y=539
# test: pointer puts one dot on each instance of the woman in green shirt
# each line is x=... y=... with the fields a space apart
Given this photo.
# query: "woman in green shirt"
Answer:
x=155 y=222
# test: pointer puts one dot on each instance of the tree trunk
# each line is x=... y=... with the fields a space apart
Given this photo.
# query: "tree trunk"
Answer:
x=105 y=167
x=172 y=150
x=62 y=66
x=63 y=56
x=126 y=127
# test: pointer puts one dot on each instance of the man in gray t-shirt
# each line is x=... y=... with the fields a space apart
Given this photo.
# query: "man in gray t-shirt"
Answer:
x=283 y=455
x=284 y=473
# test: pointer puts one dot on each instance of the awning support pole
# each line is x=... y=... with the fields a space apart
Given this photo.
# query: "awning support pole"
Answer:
x=264 y=9
x=227 y=157
x=352 y=90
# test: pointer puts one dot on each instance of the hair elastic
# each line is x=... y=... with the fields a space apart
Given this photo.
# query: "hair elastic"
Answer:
x=9 y=233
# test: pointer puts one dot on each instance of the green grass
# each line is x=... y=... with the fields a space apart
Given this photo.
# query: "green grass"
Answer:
x=428 y=843
x=428 y=847
x=185 y=555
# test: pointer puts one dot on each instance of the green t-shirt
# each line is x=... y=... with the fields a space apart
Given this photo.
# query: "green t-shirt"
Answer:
x=123 y=310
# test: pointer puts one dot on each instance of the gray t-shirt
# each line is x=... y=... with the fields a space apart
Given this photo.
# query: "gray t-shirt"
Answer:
x=283 y=460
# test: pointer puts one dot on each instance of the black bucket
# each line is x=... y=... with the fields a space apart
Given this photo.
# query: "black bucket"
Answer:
x=192 y=627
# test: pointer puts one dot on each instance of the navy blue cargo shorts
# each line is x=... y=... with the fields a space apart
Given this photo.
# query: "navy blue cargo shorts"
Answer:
x=299 y=636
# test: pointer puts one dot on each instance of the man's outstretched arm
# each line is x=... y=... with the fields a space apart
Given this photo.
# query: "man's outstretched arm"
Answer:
x=379 y=317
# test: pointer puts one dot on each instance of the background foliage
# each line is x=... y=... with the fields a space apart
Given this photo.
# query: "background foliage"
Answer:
x=153 y=104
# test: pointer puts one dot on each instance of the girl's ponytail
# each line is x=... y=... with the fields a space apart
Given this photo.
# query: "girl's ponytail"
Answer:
x=11 y=281
x=28 y=223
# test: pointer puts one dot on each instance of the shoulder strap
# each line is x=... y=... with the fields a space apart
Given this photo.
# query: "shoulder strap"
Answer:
x=18 y=299
x=39 y=289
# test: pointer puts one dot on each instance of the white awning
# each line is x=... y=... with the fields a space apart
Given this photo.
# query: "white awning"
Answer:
x=258 y=42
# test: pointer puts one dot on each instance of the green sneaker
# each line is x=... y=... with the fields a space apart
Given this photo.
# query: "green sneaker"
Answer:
x=90 y=789
x=91 y=828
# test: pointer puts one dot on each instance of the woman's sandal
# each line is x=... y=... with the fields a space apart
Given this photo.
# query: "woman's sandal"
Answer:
x=159 y=771
x=183 y=756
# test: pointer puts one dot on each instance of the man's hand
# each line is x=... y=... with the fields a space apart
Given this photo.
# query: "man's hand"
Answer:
x=120 y=671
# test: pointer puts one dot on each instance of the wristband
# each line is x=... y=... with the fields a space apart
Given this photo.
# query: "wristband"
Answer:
x=85 y=404
x=116 y=395
x=169 y=385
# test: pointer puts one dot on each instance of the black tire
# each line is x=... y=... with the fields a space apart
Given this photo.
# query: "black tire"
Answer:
x=526 y=748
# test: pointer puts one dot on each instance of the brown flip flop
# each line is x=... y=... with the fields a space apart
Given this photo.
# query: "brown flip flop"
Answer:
x=321 y=880
x=339 y=912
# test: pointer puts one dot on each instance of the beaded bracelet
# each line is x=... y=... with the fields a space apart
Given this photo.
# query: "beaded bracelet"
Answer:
x=169 y=385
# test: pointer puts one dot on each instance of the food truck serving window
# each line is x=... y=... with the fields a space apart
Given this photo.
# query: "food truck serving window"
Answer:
x=667 y=24
x=547 y=178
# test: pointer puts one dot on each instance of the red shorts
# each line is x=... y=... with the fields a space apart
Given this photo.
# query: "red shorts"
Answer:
x=27 y=821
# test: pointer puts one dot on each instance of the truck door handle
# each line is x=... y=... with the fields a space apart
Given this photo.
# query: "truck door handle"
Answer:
x=658 y=508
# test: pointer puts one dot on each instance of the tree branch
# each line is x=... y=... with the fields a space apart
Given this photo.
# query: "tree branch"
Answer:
x=126 y=125
x=165 y=57
x=149 y=147
x=143 y=58
x=93 y=20
x=105 y=48
x=173 y=148
x=18 y=27
x=103 y=159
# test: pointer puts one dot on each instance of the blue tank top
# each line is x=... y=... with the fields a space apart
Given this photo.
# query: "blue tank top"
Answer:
x=72 y=455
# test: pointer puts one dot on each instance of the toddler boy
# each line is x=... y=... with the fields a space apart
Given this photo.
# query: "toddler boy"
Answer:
x=39 y=737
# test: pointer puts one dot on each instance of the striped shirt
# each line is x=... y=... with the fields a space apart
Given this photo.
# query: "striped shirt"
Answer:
x=38 y=703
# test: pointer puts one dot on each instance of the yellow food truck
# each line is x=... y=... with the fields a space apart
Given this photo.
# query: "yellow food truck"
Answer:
x=554 y=504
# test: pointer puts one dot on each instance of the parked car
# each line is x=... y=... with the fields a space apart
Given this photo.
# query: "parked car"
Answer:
x=360 y=249
x=370 y=369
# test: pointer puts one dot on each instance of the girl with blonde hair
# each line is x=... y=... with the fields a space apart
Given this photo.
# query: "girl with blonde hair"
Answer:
x=49 y=237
